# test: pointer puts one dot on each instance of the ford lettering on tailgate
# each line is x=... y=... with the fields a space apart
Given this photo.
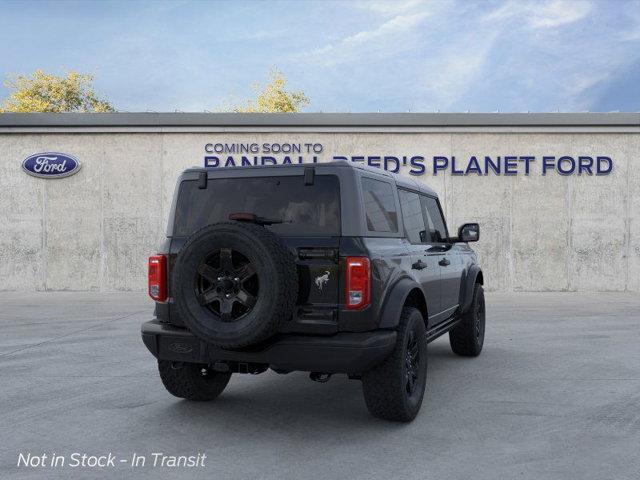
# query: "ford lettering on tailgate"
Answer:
x=51 y=165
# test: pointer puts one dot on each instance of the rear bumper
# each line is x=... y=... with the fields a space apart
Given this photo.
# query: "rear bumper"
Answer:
x=339 y=353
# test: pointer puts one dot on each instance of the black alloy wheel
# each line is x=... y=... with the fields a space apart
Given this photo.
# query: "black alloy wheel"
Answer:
x=479 y=319
x=412 y=363
x=227 y=284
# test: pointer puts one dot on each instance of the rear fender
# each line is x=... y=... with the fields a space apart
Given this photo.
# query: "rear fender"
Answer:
x=395 y=301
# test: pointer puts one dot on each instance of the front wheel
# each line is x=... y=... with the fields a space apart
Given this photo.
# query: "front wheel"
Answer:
x=192 y=381
x=394 y=389
x=467 y=337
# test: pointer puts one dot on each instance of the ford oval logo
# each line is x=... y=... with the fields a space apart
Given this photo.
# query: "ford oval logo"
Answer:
x=51 y=165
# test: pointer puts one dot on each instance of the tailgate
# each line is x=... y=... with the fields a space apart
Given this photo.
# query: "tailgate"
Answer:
x=319 y=284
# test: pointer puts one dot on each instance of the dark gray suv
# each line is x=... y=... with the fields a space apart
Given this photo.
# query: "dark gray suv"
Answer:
x=329 y=268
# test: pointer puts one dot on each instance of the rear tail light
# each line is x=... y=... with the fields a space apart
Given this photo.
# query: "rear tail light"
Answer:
x=158 y=278
x=358 y=282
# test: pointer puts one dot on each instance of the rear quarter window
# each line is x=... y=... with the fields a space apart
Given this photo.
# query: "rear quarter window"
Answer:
x=379 y=206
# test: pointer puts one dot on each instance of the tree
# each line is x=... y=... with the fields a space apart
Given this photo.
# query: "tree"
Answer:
x=274 y=98
x=42 y=92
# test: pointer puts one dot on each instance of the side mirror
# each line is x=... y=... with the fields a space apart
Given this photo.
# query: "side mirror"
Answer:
x=469 y=232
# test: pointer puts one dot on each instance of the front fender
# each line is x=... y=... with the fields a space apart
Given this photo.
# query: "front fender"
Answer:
x=468 y=282
x=395 y=301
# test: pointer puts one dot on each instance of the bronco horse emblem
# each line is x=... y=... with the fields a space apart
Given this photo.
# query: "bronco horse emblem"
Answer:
x=322 y=280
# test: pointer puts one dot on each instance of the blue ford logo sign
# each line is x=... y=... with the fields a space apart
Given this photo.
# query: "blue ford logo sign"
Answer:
x=51 y=165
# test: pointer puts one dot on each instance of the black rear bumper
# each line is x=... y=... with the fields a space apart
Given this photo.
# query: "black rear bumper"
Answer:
x=339 y=353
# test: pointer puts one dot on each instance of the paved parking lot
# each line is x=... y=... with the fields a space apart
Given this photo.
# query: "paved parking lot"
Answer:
x=555 y=394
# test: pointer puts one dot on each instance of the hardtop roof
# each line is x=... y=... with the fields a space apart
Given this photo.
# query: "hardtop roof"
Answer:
x=400 y=180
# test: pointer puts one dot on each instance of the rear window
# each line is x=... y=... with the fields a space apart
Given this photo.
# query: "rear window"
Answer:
x=311 y=210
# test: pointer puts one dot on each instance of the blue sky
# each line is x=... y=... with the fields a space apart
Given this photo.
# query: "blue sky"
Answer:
x=353 y=56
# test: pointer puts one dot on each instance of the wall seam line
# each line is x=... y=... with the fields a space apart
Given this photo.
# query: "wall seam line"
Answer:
x=45 y=256
x=628 y=226
x=447 y=192
x=101 y=286
x=510 y=249
x=569 y=256
x=161 y=202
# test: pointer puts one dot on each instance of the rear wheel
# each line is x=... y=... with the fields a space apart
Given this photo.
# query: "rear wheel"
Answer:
x=467 y=337
x=394 y=389
x=192 y=381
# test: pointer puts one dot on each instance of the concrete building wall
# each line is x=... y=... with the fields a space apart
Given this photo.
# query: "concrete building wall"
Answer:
x=94 y=230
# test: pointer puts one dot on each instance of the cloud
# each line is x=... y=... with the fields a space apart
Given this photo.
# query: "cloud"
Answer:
x=391 y=37
x=510 y=55
x=450 y=74
x=632 y=33
x=398 y=24
x=541 y=15
x=557 y=13
x=566 y=69
x=389 y=8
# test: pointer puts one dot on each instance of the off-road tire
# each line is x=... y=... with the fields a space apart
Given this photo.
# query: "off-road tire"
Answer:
x=467 y=337
x=187 y=380
x=385 y=386
x=276 y=270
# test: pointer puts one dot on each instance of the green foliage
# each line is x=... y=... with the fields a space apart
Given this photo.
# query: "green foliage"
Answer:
x=274 y=98
x=42 y=92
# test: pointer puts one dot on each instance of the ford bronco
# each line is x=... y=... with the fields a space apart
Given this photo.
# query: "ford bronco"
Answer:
x=326 y=268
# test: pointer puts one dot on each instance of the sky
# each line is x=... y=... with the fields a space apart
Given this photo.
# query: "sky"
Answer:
x=347 y=56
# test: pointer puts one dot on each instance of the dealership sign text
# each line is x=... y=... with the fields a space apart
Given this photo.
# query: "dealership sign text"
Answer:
x=254 y=154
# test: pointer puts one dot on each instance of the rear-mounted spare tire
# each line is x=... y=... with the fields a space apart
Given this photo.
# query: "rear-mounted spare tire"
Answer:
x=234 y=283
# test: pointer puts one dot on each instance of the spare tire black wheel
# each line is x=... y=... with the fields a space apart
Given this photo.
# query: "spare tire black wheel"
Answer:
x=234 y=283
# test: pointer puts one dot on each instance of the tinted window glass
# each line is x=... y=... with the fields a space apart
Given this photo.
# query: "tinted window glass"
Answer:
x=437 y=227
x=312 y=210
x=412 y=216
x=380 y=206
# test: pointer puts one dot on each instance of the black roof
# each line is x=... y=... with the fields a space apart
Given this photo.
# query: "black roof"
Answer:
x=400 y=180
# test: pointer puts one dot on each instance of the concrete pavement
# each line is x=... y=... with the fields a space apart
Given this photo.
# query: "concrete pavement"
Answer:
x=554 y=395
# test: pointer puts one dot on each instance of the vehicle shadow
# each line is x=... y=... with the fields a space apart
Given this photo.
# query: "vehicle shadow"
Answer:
x=270 y=402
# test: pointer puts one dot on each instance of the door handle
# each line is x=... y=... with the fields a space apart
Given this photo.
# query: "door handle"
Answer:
x=444 y=262
x=419 y=265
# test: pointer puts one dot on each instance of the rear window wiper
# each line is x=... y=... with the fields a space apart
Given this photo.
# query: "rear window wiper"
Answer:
x=253 y=218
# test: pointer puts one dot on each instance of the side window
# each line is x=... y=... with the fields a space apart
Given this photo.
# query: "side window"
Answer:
x=412 y=216
x=437 y=227
x=379 y=205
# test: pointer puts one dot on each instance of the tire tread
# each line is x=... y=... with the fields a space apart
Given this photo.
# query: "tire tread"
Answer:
x=462 y=337
x=382 y=384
